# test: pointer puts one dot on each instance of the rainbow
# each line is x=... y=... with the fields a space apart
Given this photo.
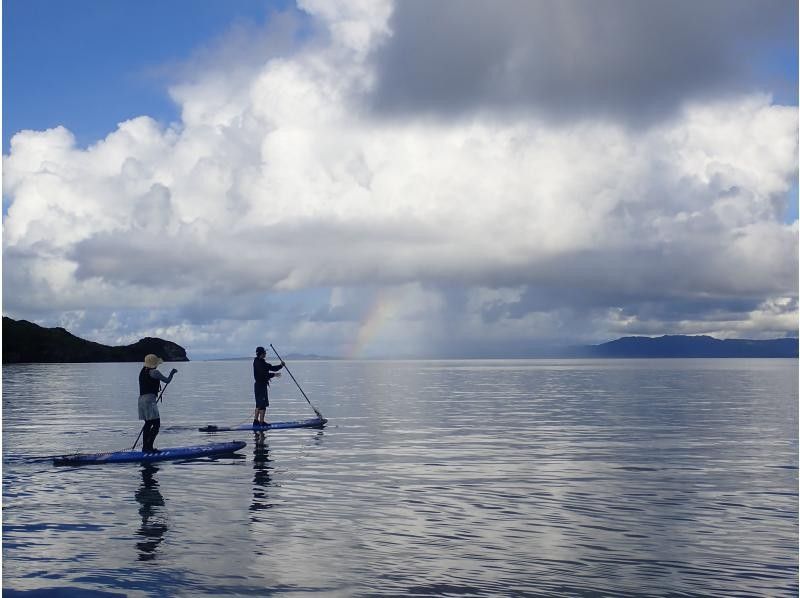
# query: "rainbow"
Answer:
x=383 y=309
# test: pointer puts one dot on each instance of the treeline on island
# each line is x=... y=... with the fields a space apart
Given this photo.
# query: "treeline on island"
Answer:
x=26 y=342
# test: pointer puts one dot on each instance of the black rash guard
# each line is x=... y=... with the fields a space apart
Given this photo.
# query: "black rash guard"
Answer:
x=262 y=371
x=147 y=384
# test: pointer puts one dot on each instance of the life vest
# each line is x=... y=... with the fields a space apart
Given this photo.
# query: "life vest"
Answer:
x=148 y=385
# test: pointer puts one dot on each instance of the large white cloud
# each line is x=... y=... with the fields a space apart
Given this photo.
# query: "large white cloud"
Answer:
x=281 y=181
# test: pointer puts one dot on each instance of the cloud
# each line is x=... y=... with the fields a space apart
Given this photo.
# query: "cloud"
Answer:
x=277 y=192
x=563 y=59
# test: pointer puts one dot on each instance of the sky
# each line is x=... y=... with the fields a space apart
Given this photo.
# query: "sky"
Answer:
x=370 y=178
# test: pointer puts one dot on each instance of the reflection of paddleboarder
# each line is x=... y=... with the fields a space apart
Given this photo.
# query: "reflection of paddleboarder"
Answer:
x=261 y=474
x=150 y=508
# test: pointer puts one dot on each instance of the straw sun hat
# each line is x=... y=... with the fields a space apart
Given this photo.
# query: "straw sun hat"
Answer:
x=152 y=361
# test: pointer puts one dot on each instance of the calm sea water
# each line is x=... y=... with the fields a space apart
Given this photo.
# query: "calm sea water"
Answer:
x=540 y=478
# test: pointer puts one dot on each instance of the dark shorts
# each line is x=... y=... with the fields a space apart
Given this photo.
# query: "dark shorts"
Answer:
x=262 y=399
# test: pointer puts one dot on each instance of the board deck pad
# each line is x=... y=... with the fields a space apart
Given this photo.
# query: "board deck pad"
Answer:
x=130 y=456
x=316 y=422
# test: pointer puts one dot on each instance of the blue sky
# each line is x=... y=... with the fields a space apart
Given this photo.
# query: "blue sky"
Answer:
x=90 y=64
x=373 y=180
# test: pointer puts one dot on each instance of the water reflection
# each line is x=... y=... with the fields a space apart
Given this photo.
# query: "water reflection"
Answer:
x=261 y=475
x=151 y=509
x=626 y=478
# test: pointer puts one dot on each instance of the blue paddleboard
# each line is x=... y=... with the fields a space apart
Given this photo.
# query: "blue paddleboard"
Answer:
x=180 y=452
x=316 y=422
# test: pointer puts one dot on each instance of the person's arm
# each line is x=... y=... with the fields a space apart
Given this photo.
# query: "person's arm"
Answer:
x=272 y=371
x=154 y=373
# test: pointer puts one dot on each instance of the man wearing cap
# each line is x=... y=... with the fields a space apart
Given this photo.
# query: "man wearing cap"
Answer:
x=150 y=380
x=262 y=372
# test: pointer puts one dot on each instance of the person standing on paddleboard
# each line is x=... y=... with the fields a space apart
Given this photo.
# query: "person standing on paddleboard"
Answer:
x=262 y=372
x=150 y=380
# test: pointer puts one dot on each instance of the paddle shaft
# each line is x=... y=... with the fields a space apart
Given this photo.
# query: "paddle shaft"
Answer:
x=142 y=430
x=286 y=367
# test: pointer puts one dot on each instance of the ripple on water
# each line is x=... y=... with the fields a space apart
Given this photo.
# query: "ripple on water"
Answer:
x=434 y=478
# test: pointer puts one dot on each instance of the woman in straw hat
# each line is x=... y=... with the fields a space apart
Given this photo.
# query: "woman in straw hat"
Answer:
x=150 y=380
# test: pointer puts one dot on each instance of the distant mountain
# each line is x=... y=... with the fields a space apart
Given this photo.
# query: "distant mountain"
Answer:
x=288 y=357
x=25 y=342
x=308 y=357
x=690 y=346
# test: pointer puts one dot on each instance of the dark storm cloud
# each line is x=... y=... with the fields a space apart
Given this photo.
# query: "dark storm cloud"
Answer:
x=644 y=305
x=207 y=308
x=341 y=253
x=632 y=59
x=352 y=311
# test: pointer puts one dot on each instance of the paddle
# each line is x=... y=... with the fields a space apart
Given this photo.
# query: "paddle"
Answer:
x=286 y=367
x=142 y=430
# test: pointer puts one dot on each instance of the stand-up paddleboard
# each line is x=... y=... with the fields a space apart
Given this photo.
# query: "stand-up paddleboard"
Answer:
x=180 y=452
x=316 y=422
